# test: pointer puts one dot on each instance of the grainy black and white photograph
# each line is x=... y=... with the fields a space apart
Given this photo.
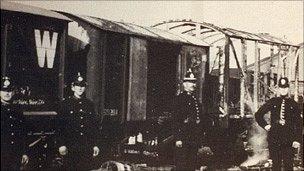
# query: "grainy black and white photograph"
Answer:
x=152 y=85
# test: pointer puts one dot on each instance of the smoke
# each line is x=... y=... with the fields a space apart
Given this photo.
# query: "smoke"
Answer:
x=257 y=142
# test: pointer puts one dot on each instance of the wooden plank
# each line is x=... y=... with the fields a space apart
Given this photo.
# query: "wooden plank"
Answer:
x=125 y=77
x=4 y=49
x=62 y=55
x=43 y=113
x=103 y=46
x=256 y=77
x=137 y=94
x=244 y=78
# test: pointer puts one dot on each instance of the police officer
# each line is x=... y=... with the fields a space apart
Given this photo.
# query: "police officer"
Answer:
x=284 y=129
x=78 y=141
x=13 y=133
x=187 y=119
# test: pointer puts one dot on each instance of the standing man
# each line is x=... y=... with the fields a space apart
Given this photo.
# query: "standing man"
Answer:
x=284 y=130
x=79 y=132
x=13 y=134
x=186 y=125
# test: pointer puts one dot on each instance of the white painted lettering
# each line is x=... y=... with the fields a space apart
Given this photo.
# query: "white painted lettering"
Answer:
x=46 y=48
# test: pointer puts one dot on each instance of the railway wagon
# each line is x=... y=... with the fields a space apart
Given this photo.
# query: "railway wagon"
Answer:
x=33 y=44
x=133 y=72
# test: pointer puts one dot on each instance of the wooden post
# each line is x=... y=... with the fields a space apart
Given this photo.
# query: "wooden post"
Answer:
x=296 y=87
x=244 y=78
x=265 y=87
x=279 y=68
x=4 y=49
x=256 y=77
x=179 y=73
x=290 y=57
x=221 y=78
x=271 y=67
x=226 y=81
x=296 y=84
x=202 y=74
x=62 y=54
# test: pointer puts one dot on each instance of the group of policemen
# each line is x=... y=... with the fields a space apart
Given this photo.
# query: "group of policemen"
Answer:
x=77 y=139
x=77 y=131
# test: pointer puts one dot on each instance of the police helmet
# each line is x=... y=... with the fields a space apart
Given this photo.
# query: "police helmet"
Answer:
x=79 y=80
x=6 y=84
x=283 y=82
x=189 y=77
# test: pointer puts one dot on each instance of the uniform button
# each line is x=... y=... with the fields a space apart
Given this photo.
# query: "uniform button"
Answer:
x=81 y=117
x=81 y=133
x=12 y=133
x=11 y=117
x=71 y=111
x=12 y=142
x=81 y=126
x=80 y=102
x=12 y=125
x=80 y=110
x=8 y=109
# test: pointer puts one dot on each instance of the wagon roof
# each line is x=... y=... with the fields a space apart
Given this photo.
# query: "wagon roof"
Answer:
x=136 y=30
x=16 y=7
x=210 y=32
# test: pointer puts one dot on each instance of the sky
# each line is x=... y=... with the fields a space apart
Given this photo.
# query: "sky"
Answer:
x=279 y=18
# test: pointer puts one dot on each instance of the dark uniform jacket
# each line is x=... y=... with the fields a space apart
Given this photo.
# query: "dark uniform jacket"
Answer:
x=13 y=135
x=186 y=113
x=79 y=124
x=291 y=130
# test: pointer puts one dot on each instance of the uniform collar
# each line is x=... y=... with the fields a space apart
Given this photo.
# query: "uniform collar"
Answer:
x=4 y=103
x=76 y=98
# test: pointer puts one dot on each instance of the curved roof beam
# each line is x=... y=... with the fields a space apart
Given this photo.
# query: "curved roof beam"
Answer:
x=203 y=24
x=217 y=40
x=187 y=31
x=180 y=25
x=203 y=38
x=207 y=31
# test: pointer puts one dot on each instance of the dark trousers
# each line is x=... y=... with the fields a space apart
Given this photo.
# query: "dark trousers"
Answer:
x=81 y=159
x=281 y=155
x=186 y=157
x=10 y=160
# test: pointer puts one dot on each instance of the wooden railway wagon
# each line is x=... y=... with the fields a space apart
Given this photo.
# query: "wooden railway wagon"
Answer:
x=133 y=72
x=33 y=44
